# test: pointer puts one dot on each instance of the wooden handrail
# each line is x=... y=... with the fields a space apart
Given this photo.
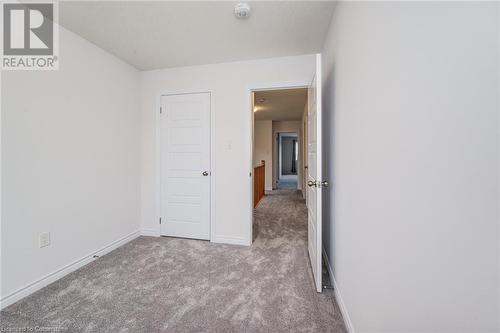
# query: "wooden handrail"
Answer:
x=259 y=182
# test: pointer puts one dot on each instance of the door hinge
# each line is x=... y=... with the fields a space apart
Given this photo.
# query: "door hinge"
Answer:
x=160 y=220
x=321 y=184
x=161 y=110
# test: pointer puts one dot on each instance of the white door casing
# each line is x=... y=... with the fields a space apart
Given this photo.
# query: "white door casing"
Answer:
x=185 y=165
x=314 y=175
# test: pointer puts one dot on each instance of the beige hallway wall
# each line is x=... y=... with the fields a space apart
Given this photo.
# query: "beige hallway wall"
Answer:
x=263 y=148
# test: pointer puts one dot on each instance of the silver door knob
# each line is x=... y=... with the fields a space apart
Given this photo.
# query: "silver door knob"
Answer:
x=324 y=183
x=311 y=183
x=205 y=173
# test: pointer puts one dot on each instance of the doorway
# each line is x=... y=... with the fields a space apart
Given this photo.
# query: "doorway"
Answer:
x=271 y=114
x=288 y=160
x=278 y=137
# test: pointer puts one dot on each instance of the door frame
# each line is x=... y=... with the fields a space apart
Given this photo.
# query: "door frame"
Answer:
x=305 y=154
x=280 y=153
x=212 y=154
x=251 y=89
x=317 y=96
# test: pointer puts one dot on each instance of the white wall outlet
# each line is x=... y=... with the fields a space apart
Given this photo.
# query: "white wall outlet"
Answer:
x=44 y=239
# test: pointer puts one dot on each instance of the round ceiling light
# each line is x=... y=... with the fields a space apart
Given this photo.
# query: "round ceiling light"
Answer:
x=242 y=10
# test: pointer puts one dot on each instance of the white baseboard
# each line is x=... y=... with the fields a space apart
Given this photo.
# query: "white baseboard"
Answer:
x=56 y=275
x=150 y=232
x=338 y=296
x=230 y=240
x=214 y=238
x=270 y=188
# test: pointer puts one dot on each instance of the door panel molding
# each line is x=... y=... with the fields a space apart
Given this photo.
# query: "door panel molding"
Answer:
x=213 y=174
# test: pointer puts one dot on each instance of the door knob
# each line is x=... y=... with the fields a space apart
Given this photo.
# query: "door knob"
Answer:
x=205 y=173
x=324 y=183
x=311 y=183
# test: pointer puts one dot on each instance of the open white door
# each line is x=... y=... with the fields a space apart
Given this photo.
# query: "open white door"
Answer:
x=314 y=175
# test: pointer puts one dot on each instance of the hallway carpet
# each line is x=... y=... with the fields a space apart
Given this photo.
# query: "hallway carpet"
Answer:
x=181 y=285
x=287 y=184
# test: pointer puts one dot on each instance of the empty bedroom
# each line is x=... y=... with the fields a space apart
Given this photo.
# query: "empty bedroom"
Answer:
x=254 y=166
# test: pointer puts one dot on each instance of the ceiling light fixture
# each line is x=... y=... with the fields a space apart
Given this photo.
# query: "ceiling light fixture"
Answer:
x=242 y=10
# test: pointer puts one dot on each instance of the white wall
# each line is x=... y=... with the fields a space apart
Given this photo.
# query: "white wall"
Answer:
x=230 y=84
x=263 y=148
x=411 y=98
x=70 y=161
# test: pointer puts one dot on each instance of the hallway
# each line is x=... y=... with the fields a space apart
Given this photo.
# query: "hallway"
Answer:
x=157 y=284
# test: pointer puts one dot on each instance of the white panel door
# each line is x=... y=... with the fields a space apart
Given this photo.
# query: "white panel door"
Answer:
x=185 y=165
x=314 y=175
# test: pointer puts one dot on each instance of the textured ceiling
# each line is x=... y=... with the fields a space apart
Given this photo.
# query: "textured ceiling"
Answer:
x=159 y=34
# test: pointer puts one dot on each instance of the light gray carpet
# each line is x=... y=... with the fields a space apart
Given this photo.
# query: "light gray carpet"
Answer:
x=180 y=285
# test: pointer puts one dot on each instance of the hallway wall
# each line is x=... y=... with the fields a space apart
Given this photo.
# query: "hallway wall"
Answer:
x=263 y=148
x=230 y=84
x=411 y=139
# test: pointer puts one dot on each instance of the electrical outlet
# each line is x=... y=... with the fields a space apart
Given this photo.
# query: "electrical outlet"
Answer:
x=44 y=239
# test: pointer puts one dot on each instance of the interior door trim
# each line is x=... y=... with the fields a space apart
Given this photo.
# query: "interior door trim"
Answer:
x=157 y=231
x=250 y=92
